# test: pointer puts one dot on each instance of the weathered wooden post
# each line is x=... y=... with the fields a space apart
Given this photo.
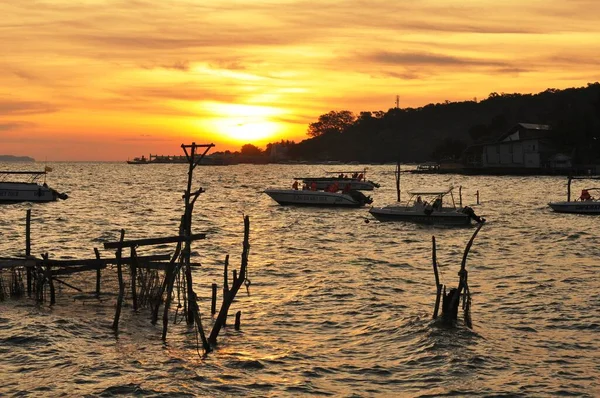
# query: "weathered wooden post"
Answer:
x=438 y=285
x=398 y=180
x=98 y=273
x=477 y=194
x=238 y=316
x=460 y=196
x=569 y=188
x=225 y=277
x=133 y=270
x=194 y=160
x=451 y=300
x=213 y=304
x=237 y=283
x=48 y=274
x=119 y=252
x=225 y=284
x=28 y=249
x=170 y=280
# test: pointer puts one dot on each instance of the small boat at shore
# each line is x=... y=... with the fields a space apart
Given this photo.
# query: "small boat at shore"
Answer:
x=426 y=206
x=356 y=179
x=586 y=203
x=138 y=160
x=28 y=188
x=318 y=198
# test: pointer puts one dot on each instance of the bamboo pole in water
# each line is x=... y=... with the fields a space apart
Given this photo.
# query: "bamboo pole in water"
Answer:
x=237 y=283
x=438 y=286
x=213 y=302
x=28 y=249
x=115 y=324
x=451 y=302
x=238 y=316
x=133 y=270
x=98 y=273
x=398 y=180
x=170 y=280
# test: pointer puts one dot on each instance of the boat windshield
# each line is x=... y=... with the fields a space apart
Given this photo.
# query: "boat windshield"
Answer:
x=353 y=174
x=431 y=191
x=429 y=197
x=27 y=176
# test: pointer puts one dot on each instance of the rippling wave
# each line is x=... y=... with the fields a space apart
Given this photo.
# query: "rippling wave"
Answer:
x=338 y=306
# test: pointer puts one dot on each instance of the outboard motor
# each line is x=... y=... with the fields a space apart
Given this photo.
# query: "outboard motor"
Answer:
x=59 y=195
x=471 y=213
x=360 y=197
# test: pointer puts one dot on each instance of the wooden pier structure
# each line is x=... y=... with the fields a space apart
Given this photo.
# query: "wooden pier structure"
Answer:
x=152 y=281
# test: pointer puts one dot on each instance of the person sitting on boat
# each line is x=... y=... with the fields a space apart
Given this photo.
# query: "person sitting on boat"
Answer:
x=313 y=186
x=355 y=175
x=304 y=187
x=332 y=188
x=341 y=175
x=295 y=185
x=419 y=200
x=585 y=195
x=437 y=203
x=360 y=177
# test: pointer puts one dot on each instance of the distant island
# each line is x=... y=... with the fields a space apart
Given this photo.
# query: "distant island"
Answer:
x=11 y=158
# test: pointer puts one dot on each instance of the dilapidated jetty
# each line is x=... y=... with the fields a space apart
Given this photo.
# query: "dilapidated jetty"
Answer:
x=152 y=281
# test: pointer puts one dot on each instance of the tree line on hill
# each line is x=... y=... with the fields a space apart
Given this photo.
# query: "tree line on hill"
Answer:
x=444 y=130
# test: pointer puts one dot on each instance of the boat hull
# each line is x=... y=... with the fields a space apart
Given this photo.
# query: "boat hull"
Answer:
x=312 y=198
x=582 y=207
x=15 y=192
x=435 y=218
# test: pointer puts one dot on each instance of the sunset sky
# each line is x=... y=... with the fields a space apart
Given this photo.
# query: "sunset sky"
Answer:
x=110 y=80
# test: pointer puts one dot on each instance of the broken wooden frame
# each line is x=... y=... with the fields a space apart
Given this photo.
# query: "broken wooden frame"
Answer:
x=44 y=271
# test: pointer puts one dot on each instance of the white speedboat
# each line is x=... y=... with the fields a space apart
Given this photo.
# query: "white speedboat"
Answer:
x=318 y=198
x=427 y=207
x=30 y=190
x=356 y=179
x=578 y=207
x=587 y=203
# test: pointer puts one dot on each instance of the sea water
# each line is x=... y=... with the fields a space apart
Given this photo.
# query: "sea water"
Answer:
x=339 y=303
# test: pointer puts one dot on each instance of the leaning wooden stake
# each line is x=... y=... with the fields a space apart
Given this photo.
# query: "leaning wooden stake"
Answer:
x=133 y=269
x=28 y=249
x=398 y=180
x=115 y=324
x=462 y=284
x=238 y=316
x=237 y=283
x=98 y=273
x=169 y=280
x=451 y=300
x=438 y=285
x=213 y=301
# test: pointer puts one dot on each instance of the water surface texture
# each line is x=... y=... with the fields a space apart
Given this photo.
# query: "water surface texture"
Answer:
x=338 y=305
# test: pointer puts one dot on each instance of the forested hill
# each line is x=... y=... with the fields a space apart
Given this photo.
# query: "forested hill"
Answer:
x=12 y=158
x=444 y=130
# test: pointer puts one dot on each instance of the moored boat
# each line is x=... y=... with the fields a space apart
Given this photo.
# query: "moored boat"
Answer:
x=140 y=160
x=357 y=180
x=426 y=206
x=30 y=190
x=586 y=203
